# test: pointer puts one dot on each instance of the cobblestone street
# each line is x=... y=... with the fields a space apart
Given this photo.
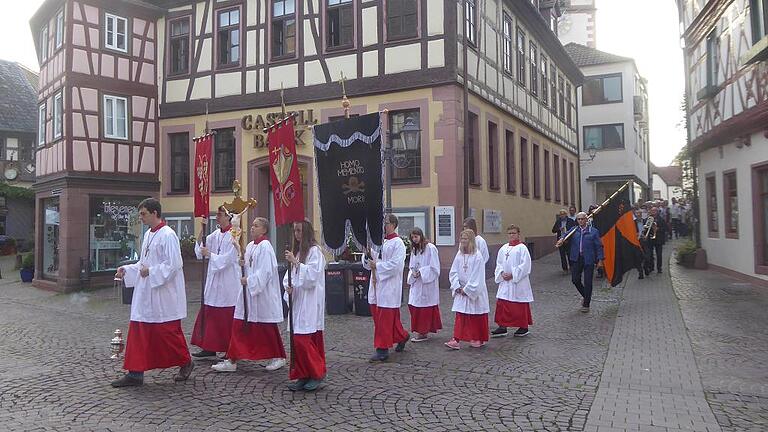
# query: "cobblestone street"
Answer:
x=55 y=368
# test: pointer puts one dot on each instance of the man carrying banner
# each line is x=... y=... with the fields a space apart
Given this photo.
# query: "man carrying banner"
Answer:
x=585 y=250
x=213 y=326
x=385 y=292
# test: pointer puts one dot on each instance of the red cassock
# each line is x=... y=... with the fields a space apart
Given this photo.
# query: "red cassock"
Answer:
x=155 y=346
x=425 y=319
x=471 y=327
x=218 y=328
x=257 y=341
x=387 y=328
x=308 y=356
x=513 y=314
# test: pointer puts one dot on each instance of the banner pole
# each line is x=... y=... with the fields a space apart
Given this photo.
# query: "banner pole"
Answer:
x=596 y=211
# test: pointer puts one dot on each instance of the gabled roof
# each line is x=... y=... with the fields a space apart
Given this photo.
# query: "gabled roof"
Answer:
x=586 y=56
x=672 y=175
x=18 y=98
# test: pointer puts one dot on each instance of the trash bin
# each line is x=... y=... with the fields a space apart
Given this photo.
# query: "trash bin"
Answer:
x=360 y=279
x=126 y=292
x=336 y=290
x=531 y=249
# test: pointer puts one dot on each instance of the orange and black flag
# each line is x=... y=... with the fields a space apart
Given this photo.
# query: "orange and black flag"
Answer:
x=618 y=231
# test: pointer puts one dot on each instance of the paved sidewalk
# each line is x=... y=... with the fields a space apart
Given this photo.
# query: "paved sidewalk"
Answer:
x=650 y=381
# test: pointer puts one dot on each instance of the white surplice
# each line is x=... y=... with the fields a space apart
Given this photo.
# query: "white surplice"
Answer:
x=222 y=284
x=516 y=261
x=425 y=290
x=468 y=273
x=308 y=280
x=390 y=262
x=263 y=283
x=159 y=297
x=482 y=246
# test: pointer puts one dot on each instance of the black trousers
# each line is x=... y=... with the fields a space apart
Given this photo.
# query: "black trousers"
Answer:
x=585 y=288
x=564 y=257
x=654 y=248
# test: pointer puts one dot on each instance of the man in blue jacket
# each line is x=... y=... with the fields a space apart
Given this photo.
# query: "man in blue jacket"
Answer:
x=585 y=250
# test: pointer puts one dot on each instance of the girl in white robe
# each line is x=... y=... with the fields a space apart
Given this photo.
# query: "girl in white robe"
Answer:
x=424 y=292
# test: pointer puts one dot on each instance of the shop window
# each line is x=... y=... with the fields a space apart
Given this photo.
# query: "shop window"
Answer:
x=224 y=159
x=283 y=28
x=341 y=23
x=184 y=226
x=51 y=216
x=115 y=232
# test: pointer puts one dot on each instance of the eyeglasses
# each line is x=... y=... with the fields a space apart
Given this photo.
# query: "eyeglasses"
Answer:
x=581 y=218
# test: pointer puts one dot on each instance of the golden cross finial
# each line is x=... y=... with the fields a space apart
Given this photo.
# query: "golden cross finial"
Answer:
x=344 y=101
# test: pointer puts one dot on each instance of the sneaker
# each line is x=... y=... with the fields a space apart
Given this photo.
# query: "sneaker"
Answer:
x=453 y=344
x=499 y=332
x=184 y=371
x=585 y=309
x=476 y=344
x=312 y=384
x=128 y=381
x=419 y=338
x=297 y=385
x=203 y=354
x=521 y=332
x=275 y=364
x=225 y=366
x=401 y=345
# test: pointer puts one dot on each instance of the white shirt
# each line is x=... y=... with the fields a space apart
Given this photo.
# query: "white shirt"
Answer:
x=222 y=284
x=425 y=290
x=516 y=261
x=159 y=297
x=263 y=283
x=390 y=262
x=308 y=280
x=482 y=246
x=472 y=280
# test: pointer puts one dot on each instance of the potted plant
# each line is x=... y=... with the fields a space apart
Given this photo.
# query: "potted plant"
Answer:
x=27 y=271
x=686 y=254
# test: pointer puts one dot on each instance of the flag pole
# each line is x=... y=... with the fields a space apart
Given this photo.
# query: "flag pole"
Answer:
x=596 y=211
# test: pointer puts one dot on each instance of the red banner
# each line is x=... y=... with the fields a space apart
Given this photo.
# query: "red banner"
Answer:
x=203 y=147
x=284 y=174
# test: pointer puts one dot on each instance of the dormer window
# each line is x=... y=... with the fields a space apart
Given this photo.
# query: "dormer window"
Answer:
x=115 y=35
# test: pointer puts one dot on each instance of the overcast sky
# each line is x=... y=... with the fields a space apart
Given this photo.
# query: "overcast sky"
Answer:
x=646 y=30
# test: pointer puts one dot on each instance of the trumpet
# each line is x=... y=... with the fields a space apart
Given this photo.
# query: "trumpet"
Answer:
x=650 y=228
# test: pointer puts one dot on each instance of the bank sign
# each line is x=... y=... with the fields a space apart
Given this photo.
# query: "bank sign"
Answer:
x=305 y=119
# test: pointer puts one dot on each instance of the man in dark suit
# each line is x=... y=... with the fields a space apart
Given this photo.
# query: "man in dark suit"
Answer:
x=655 y=243
x=585 y=251
x=562 y=225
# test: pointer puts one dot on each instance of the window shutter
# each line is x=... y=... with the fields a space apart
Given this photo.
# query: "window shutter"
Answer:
x=347 y=21
x=394 y=18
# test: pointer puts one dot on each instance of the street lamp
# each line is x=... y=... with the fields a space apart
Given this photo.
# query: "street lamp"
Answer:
x=409 y=135
x=591 y=151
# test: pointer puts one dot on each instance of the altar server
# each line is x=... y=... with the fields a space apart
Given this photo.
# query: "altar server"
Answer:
x=424 y=293
x=482 y=245
x=514 y=296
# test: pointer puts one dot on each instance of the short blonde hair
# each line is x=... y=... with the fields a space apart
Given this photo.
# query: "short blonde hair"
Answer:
x=513 y=227
x=263 y=222
x=471 y=246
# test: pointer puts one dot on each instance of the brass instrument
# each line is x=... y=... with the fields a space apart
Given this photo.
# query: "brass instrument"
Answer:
x=649 y=229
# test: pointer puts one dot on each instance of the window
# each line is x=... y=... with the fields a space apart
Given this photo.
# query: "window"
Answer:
x=524 y=169
x=224 y=159
x=115 y=117
x=536 y=173
x=41 y=124
x=59 y=29
x=283 y=28
x=547 y=175
x=179 y=46
x=229 y=37
x=341 y=23
x=713 y=46
x=572 y=184
x=115 y=37
x=412 y=172
x=561 y=96
x=553 y=87
x=474 y=152
x=759 y=12
x=534 y=68
x=604 y=136
x=730 y=198
x=556 y=180
x=712 y=221
x=602 y=89
x=183 y=225
x=507 y=44
x=520 y=56
x=470 y=20
x=12 y=149
x=50 y=255
x=58 y=115
x=544 y=81
x=565 y=181
x=179 y=162
x=44 y=43
x=509 y=153
x=115 y=231
x=493 y=156
x=568 y=104
x=402 y=19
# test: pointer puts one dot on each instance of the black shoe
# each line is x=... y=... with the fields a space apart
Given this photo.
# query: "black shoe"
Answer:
x=641 y=276
x=522 y=331
x=184 y=372
x=381 y=356
x=401 y=345
x=647 y=272
x=499 y=332
x=297 y=385
x=312 y=384
x=204 y=354
x=128 y=381
x=658 y=271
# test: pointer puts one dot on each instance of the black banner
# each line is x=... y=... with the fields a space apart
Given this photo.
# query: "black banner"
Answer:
x=349 y=179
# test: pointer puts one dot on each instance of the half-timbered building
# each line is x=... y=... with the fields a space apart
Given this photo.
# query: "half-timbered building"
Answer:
x=223 y=66
x=726 y=47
